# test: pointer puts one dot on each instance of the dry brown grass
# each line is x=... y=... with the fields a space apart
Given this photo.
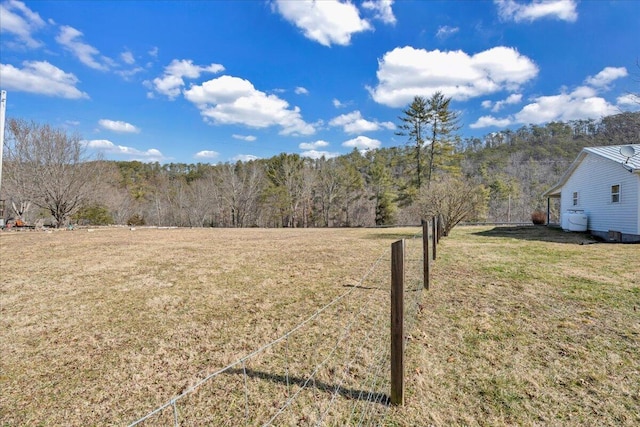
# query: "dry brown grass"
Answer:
x=102 y=327
x=521 y=327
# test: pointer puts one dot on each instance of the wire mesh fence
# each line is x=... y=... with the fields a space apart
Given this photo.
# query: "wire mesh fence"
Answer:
x=313 y=374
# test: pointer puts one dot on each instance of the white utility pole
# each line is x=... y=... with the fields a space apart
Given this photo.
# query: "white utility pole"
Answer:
x=3 y=109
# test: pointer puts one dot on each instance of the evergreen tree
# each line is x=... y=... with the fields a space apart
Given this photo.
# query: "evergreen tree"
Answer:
x=414 y=122
x=285 y=184
x=442 y=122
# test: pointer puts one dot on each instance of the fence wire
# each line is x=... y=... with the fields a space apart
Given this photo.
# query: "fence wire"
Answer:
x=313 y=374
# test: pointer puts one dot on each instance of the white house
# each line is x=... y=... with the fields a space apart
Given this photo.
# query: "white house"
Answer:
x=604 y=183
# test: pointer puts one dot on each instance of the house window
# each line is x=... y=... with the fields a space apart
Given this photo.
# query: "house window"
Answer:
x=615 y=193
x=575 y=198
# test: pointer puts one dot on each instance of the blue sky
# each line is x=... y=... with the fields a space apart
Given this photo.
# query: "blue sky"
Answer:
x=218 y=81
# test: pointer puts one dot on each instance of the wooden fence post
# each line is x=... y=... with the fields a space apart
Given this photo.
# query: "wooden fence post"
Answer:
x=425 y=252
x=397 y=327
x=434 y=227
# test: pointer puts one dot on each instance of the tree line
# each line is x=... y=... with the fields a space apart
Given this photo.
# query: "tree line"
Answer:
x=49 y=178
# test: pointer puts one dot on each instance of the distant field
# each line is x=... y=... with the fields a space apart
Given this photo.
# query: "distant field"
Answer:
x=522 y=326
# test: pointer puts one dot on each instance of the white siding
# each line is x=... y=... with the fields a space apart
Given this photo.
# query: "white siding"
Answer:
x=592 y=179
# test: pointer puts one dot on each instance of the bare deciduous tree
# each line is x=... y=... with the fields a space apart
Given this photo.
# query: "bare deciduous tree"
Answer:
x=453 y=199
x=49 y=168
x=241 y=185
x=330 y=188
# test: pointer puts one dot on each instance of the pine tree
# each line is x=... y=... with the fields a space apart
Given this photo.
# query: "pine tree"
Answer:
x=413 y=126
x=442 y=123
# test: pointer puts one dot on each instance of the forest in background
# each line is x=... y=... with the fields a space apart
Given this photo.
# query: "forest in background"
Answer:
x=505 y=174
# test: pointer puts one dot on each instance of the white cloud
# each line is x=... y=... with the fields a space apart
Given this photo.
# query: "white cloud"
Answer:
x=245 y=158
x=564 y=10
x=248 y=138
x=488 y=121
x=87 y=54
x=206 y=154
x=382 y=9
x=151 y=155
x=127 y=74
x=406 y=72
x=354 y=123
x=153 y=52
x=606 y=76
x=118 y=126
x=232 y=100
x=362 y=143
x=337 y=103
x=22 y=22
x=172 y=81
x=446 y=31
x=582 y=92
x=313 y=145
x=41 y=78
x=185 y=68
x=327 y=22
x=581 y=103
x=314 y=154
x=301 y=91
x=100 y=143
x=514 y=98
x=127 y=57
x=629 y=99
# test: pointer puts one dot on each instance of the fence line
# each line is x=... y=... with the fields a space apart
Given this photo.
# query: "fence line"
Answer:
x=415 y=281
x=339 y=385
x=313 y=374
x=335 y=371
x=173 y=401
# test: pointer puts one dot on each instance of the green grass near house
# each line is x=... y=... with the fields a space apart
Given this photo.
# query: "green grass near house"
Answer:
x=526 y=326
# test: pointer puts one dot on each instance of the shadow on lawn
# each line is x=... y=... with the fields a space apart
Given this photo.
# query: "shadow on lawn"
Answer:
x=539 y=233
x=366 y=288
x=350 y=394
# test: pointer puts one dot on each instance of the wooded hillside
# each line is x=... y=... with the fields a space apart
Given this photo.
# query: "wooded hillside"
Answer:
x=508 y=170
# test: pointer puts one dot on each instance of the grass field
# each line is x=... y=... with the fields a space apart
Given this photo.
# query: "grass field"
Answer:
x=102 y=327
x=522 y=326
x=525 y=326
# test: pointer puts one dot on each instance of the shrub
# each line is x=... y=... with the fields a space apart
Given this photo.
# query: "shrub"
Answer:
x=453 y=199
x=135 y=220
x=93 y=215
x=538 y=217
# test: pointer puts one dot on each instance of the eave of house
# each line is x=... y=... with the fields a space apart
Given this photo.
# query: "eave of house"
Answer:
x=556 y=189
x=631 y=166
